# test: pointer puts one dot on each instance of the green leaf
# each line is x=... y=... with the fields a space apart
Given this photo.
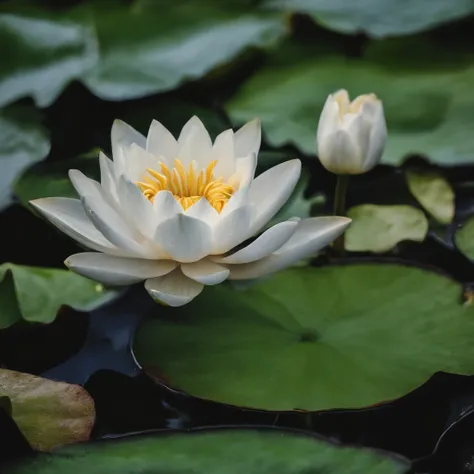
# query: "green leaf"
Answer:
x=378 y=18
x=49 y=414
x=433 y=192
x=427 y=96
x=214 y=451
x=36 y=294
x=149 y=49
x=465 y=238
x=6 y=404
x=379 y=228
x=47 y=50
x=313 y=338
x=23 y=141
x=50 y=179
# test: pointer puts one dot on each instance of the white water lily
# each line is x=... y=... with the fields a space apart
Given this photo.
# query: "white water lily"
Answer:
x=351 y=135
x=172 y=212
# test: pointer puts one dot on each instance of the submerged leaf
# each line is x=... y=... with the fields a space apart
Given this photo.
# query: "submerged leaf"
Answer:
x=379 y=228
x=49 y=414
x=434 y=193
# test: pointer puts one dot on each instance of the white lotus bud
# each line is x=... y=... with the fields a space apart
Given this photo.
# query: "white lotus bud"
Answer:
x=351 y=135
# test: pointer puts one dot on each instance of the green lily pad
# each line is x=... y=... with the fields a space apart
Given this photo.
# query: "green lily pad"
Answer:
x=434 y=193
x=23 y=141
x=465 y=238
x=36 y=294
x=313 y=338
x=214 y=451
x=378 y=18
x=379 y=228
x=50 y=179
x=49 y=414
x=427 y=96
x=48 y=50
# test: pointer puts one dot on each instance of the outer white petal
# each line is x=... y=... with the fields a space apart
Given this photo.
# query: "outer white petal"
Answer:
x=136 y=208
x=117 y=270
x=267 y=243
x=248 y=139
x=311 y=235
x=271 y=190
x=378 y=137
x=124 y=135
x=160 y=142
x=107 y=177
x=205 y=271
x=223 y=151
x=329 y=119
x=231 y=230
x=69 y=217
x=111 y=225
x=244 y=171
x=184 y=238
x=85 y=186
x=203 y=211
x=339 y=153
x=195 y=143
x=173 y=289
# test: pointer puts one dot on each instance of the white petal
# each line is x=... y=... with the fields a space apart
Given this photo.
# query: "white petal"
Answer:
x=84 y=185
x=248 y=139
x=117 y=270
x=173 y=289
x=231 y=230
x=165 y=206
x=244 y=171
x=329 y=120
x=124 y=135
x=184 y=238
x=203 y=211
x=137 y=160
x=378 y=137
x=195 y=144
x=205 y=272
x=339 y=153
x=160 y=141
x=267 y=243
x=271 y=190
x=111 y=225
x=107 y=177
x=69 y=217
x=311 y=235
x=136 y=208
x=223 y=151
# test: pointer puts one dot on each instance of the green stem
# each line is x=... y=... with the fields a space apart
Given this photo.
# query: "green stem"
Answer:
x=340 y=207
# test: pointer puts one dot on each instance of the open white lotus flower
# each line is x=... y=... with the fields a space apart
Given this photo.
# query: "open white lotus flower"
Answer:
x=172 y=212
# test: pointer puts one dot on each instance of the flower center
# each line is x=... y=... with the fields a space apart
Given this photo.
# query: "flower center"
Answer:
x=188 y=187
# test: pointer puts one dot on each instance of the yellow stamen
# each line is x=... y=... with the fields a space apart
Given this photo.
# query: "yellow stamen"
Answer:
x=187 y=187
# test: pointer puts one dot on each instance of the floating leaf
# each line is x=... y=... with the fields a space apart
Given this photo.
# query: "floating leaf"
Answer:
x=433 y=192
x=465 y=238
x=214 y=451
x=427 y=96
x=36 y=294
x=49 y=414
x=379 y=228
x=23 y=141
x=47 y=51
x=378 y=18
x=313 y=338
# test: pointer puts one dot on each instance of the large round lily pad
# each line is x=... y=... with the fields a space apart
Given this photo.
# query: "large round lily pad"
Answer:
x=313 y=338
x=218 y=451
